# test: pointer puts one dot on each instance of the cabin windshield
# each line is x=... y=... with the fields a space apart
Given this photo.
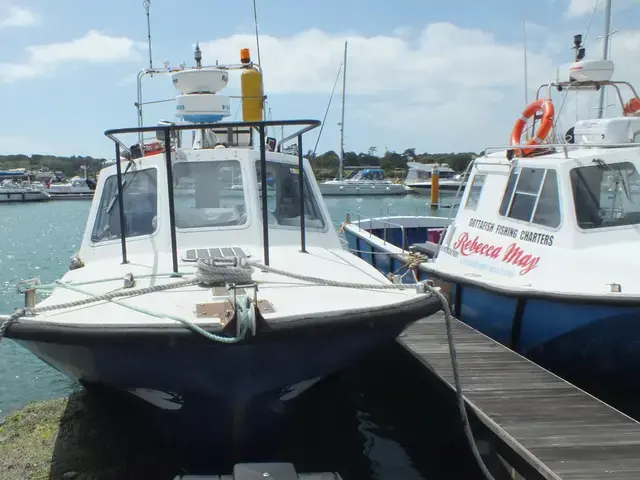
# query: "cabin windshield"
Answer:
x=283 y=197
x=606 y=194
x=140 y=201
x=208 y=194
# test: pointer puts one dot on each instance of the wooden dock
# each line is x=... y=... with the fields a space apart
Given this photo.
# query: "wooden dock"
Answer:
x=560 y=431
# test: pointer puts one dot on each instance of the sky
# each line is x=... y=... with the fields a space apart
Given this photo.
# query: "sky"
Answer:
x=431 y=75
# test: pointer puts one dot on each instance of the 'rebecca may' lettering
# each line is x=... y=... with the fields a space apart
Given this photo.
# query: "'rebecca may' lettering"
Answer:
x=513 y=254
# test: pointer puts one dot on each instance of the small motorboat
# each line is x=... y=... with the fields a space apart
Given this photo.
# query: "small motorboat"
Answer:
x=216 y=309
x=78 y=188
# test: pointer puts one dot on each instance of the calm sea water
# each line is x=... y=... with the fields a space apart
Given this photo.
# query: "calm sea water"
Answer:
x=385 y=424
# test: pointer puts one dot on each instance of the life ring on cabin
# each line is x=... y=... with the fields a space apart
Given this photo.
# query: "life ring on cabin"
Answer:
x=153 y=149
x=548 y=110
x=632 y=106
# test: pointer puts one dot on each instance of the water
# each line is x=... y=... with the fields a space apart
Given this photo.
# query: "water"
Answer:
x=374 y=421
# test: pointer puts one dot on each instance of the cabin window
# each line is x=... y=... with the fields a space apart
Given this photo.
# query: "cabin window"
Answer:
x=208 y=194
x=475 y=190
x=532 y=196
x=606 y=195
x=140 y=199
x=283 y=197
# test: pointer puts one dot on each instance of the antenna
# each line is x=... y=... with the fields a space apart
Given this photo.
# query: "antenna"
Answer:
x=524 y=41
x=344 y=86
x=147 y=5
x=255 y=22
x=605 y=50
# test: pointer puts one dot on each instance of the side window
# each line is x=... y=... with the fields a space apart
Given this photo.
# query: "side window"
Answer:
x=283 y=197
x=140 y=200
x=548 y=209
x=475 y=190
x=532 y=195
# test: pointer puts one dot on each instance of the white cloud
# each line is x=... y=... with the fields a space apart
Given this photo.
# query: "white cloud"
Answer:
x=17 y=17
x=455 y=88
x=584 y=7
x=94 y=47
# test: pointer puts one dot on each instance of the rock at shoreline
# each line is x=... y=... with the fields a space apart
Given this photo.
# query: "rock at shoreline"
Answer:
x=78 y=438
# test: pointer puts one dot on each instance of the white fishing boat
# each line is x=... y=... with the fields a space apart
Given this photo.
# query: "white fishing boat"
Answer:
x=77 y=188
x=540 y=255
x=216 y=309
x=418 y=179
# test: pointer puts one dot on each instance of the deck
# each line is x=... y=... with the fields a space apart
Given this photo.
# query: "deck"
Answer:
x=560 y=431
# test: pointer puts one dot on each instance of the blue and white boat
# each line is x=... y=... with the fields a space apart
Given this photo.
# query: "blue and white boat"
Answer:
x=216 y=310
x=363 y=182
x=541 y=254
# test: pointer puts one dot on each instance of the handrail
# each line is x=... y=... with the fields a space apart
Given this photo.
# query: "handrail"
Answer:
x=385 y=223
x=167 y=134
x=565 y=146
x=309 y=125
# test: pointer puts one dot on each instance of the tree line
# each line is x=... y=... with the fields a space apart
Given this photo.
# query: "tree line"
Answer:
x=325 y=165
x=69 y=166
x=393 y=163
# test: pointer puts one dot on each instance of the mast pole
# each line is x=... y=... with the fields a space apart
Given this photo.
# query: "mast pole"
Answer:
x=344 y=84
x=526 y=86
x=147 y=5
x=605 y=50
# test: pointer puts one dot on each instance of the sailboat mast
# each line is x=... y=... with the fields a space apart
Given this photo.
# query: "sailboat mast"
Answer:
x=526 y=73
x=605 y=49
x=344 y=84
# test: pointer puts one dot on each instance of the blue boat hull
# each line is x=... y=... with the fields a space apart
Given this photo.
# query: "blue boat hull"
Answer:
x=595 y=345
x=224 y=395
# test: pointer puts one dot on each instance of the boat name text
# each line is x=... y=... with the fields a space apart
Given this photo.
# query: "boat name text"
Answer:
x=512 y=254
x=524 y=235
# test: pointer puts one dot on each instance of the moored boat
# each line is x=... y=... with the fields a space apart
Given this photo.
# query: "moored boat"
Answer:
x=77 y=188
x=214 y=309
x=16 y=188
x=362 y=182
x=418 y=179
x=538 y=255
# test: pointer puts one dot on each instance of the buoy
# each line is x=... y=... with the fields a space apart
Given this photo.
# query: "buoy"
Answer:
x=435 y=187
x=251 y=89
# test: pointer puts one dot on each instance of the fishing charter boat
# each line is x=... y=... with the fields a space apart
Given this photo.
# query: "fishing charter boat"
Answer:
x=215 y=309
x=539 y=255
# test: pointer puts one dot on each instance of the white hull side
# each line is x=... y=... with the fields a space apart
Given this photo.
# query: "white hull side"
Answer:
x=19 y=196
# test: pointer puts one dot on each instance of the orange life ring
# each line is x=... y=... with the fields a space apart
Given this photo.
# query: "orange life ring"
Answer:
x=153 y=149
x=546 y=106
x=632 y=106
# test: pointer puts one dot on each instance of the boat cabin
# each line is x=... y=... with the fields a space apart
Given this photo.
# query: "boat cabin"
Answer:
x=366 y=174
x=565 y=206
x=213 y=195
x=421 y=172
x=216 y=199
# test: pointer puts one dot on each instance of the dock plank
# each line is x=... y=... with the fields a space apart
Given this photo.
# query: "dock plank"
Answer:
x=560 y=430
